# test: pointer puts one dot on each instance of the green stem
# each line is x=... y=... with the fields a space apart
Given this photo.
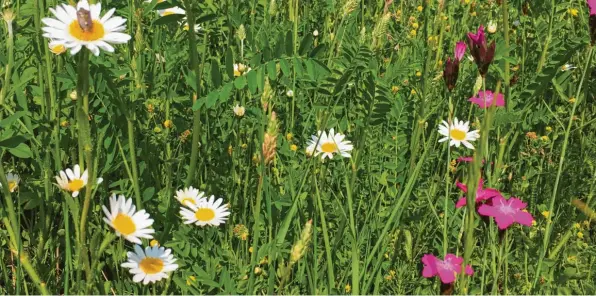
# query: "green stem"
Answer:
x=549 y=226
x=133 y=162
x=10 y=52
x=330 y=272
x=548 y=37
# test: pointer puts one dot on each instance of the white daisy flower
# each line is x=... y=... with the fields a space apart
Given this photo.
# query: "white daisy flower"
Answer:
x=190 y=196
x=150 y=265
x=239 y=110
x=57 y=47
x=206 y=212
x=170 y=11
x=329 y=144
x=82 y=26
x=72 y=180
x=128 y=223
x=13 y=182
x=458 y=133
x=186 y=27
x=568 y=67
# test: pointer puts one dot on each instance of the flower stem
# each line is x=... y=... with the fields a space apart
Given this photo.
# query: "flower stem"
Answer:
x=549 y=226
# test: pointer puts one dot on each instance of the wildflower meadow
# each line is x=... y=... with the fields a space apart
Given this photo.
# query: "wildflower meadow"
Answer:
x=171 y=147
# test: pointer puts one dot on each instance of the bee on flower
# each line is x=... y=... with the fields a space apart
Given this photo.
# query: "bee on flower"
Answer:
x=81 y=25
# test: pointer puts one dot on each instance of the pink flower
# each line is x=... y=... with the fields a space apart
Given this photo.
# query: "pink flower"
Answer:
x=465 y=159
x=592 y=6
x=506 y=212
x=482 y=194
x=487 y=99
x=479 y=38
x=460 y=50
x=447 y=269
x=483 y=54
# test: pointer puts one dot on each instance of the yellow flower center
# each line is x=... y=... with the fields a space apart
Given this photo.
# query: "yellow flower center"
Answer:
x=329 y=147
x=12 y=185
x=75 y=185
x=96 y=32
x=457 y=135
x=168 y=12
x=58 y=49
x=151 y=265
x=188 y=199
x=205 y=214
x=186 y=27
x=124 y=224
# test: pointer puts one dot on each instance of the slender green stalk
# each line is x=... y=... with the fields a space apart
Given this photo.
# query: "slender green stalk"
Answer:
x=551 y=208
x=133 y=162
x=330 y=272
x=194 y=64
x=8 y=16
x=548 y=36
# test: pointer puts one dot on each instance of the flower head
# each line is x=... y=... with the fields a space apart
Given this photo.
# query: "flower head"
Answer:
x=568 y=67
x=482 y=53
x=190 y=196
x=239 y=110
x=126 y=220
x=329 y=144
x=592 y=6
x=447 y=270
x=205 y=212
x=56 y=47
x=13 y=182
x=451 y=73
x=492 y=27
x=72 y=180
x=171 y=11
x=150 y=265
x=482 y=194
x=458 y=133
x=460 y=50
x=487 y=99
x=240 y=69
x=506 y=212
x=82 y=26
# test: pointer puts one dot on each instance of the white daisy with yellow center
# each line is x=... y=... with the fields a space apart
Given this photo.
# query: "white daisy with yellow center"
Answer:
x=189 y=196
x=186 y=27
x=72 y=180
x=171 y=11
x=13 y=182
x=82 y=26
x=127 y=221
x=241 y=69
x=57 y=47
x=150 y=265
x=329 y=144
x=206 y=212
x=458 y=133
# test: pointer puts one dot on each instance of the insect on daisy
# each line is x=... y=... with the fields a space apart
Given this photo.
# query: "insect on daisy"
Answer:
x=190 y=196
x=13 y=182
x=126 y=220
x=458 y=133
x=82 y=26
x=150 y=265
x=329 y=144
x=206 y=212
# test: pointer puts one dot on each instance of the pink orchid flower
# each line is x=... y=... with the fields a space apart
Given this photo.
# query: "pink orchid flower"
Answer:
x=592 y=6
x=479 y=38
x=447 y=269
x=506 y=212
x=592 y=20
x=482 y=194
x=460 y=50
x=465 y=159
x=486 y=99
x=483 y=54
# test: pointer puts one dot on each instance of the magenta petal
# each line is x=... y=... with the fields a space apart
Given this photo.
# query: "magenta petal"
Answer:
x=517 y=203
x=592 y=5
x=524 y=218
x=430 y=265
x=469 y=270
x=447 y=276
x=460 y=50
x=461 y=202
x=487 y=194
x=486 y=210
x=504 y=221
x=465 y=159
x=461 y=186
x=454 y=259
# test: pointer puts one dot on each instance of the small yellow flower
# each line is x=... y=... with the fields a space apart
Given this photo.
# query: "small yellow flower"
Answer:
x=250 y=250
x=388 y=277
x=586 y=223
x=258 y=270
x=348 y=288
x=534 y=223
x=168 y=124
x=244 y=145
x=191 y=279
x=64 y=123
x=577 y=226
x=293 y=147
x=154 y=243
x=150 y=108
x=413 y=33
x=441 y=215
x=546 y=214
x=418 y=74
x=230 y=149
x=544 y=138
x=440 y=62
x=413 y=92
x=394 y=89
x=573 y=11
x=157 y=130
x=572 y=259
x=467 y=1
x=473 y=13
x=415 y=25
x=419 y=8
x=549 y=129
x=572 y=100
x=73 y=95
x=580 y=235
x=289 y=136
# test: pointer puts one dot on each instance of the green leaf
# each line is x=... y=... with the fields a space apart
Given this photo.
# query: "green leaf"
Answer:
x=21 y=151
x=168 y=19
x=13 y=142
x=215 y=73
x=305 y=44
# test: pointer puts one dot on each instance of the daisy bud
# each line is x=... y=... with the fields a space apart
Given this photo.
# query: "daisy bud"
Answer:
x=239 y=110
x=315 y=33
x=492 y=27
x=451 y=73
x=290 y=93
x=73 y=95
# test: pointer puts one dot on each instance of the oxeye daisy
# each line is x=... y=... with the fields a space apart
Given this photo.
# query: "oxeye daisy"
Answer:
x=171 y=11
x=126 y=220
x=13 y=182
x=71 y=180
x=150 y=265
x=186 y=27
x=82 y=26
x=458 y=133
x=57 y=47
x=206 y=212
x=329 y=144
x=190 y=196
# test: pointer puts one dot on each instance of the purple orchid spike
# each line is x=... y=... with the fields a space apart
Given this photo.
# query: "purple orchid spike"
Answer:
x=451 y=73
x=460 y=50
x=483 y=54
